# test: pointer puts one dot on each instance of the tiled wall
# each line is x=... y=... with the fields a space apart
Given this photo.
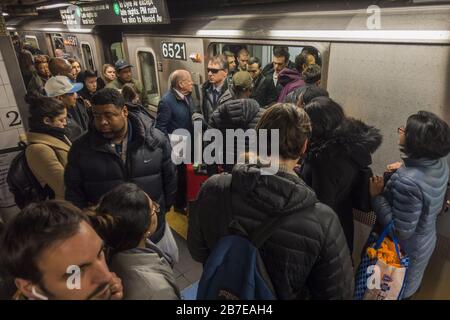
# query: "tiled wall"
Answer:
x=10 y=128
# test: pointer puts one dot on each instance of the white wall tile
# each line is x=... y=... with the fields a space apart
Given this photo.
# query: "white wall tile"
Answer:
x=3 y=72
x=10 y=95
x=3 y=98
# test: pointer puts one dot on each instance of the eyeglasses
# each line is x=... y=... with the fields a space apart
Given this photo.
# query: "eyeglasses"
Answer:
x=214 y=71
x=155 y=208
x=401 y=129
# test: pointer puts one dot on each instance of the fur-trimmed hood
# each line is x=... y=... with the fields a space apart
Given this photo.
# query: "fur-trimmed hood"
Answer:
x=353 y=138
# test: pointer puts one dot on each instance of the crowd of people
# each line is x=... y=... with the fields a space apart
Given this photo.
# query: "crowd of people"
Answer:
x=107 y=163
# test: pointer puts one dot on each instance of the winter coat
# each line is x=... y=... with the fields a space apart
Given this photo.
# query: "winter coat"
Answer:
x=95 y=168
x=145 y=274
x=47 y=157
x=264 y=91
x=207 y=105
x=290 y=80
x=174 y=113
x=235 y=114
x=412 y=199
x=332 y=167
x=306 y=256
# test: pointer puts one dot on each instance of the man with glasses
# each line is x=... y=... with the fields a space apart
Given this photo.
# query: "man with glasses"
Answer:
x=264 y=90
x=215 y=87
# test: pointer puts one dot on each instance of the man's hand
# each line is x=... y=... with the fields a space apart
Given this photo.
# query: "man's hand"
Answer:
x=376 y=186
x=116 y=288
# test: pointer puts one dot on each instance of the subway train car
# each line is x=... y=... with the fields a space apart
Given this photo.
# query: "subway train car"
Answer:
x=379 y=73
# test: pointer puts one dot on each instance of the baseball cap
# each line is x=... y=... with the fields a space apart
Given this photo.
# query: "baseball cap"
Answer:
x=243 y=79
x=122 y=64
x=59 y=85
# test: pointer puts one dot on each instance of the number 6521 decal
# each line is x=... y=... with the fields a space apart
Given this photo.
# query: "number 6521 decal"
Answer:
x=174 y=50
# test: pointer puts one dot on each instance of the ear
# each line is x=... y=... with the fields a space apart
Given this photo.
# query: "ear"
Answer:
x=25 y=287
x=125 y=111
x=47 y=120
x=305 y=146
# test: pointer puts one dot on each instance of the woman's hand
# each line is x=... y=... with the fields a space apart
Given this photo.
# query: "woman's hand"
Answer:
x=376 y=186
x=394 y=166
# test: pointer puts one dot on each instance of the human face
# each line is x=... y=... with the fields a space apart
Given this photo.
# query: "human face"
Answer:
x=110 y=74
x=125 y=75
x=279 y=63
x=243 y=60
x=216 y=74
x=110 y=120
x=231 y=63
x=69 y=99
x=154 y=210
x=84 y=250
x=76 y=69
x=401 y=135
x=254 y=70
x=42 y=69
x=91 y=84
x=58 y=121
x=186 y=84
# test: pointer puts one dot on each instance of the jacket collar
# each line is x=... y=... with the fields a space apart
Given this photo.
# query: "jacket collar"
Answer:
x=42 y=138
x=422 y=162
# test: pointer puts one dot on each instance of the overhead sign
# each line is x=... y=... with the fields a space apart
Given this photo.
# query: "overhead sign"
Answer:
x=116 y=12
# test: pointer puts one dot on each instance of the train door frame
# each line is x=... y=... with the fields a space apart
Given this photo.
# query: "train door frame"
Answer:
x=83 y=57
x=139 y=69
x=323 y=47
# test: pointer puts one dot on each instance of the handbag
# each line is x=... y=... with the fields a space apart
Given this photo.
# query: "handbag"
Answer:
x=376 y=279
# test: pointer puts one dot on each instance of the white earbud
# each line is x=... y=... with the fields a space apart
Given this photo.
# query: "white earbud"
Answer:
x=37 y=294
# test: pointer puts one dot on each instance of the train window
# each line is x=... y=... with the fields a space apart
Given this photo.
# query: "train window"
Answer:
x=263 y=52
x=58 y=42
x=116 y=51
x=88 y=59
x=32 y=41
x=147 y=69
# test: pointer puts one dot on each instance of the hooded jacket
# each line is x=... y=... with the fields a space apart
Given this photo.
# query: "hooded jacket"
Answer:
x=290 y=80
x=306 y=256
x=235 y=114
x=95 y=168
x=332 y=167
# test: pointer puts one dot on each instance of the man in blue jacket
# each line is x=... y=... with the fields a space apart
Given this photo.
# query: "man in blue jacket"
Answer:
x=175 y=112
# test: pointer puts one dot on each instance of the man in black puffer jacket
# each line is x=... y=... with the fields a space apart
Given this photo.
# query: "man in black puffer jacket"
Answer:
x=121 y=146
x=240 y=112
x=307 y=255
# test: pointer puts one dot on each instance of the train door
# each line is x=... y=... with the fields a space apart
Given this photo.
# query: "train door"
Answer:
x=148 y=74
x=57 y=43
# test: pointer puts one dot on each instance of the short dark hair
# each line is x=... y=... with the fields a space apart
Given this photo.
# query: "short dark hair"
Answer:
x=301 y=60
x=326 y=115
x=88 y=73
x=294 y=128
x=108 y=96
x=254 y=60
x=312 y=74
x=122 y=217
x=34 y=229
x=426 y=136
x=43 y=107
x=228 y=53
x=243 y=51
x=281 y=51
x=314 y=52
x=311 y=92
x=221 y=60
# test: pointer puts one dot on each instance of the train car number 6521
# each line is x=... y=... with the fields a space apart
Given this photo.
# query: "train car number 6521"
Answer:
x=174 y=50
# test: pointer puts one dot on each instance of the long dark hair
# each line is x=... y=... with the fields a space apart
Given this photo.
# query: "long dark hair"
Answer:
x=42 y=107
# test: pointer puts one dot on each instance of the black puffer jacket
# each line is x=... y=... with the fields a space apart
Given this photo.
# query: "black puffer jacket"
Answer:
x=94 y=167
x=305 y=257
x=235 y=114
x=333 y=165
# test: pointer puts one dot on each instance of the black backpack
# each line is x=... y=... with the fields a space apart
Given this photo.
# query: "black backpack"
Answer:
x=22 y=182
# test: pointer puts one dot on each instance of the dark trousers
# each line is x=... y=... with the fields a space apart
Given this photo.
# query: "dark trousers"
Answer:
x=180 y=198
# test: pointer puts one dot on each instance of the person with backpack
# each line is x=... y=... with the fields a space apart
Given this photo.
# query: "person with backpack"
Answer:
x=299 y=240
x=45 y=154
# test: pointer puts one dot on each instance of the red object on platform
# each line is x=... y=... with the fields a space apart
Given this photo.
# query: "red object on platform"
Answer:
x=195 y=180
